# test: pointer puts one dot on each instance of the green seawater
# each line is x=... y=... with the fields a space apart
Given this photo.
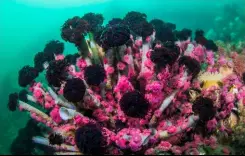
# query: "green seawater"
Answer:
x=27 y=25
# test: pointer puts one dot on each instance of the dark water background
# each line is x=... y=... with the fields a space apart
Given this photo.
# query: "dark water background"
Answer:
x=25 y=28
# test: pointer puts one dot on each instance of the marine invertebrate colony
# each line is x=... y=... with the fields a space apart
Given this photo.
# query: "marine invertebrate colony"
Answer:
x=138 y=88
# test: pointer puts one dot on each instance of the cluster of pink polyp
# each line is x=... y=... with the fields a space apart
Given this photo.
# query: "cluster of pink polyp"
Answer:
x=137 y=95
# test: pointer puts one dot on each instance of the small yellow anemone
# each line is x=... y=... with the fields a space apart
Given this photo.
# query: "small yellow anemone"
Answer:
x=109 y=84
x=210 y=79
x=193 y=95
x=233 y=89
x=231 y=121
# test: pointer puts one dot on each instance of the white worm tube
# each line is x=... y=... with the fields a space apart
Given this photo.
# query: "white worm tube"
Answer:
x=45 y=142
x=189 y=50
x=41 y=140
x=58 y=100
x=185 y=76
x=88 y=61
x=67 y=114
x=131 y=60
x=96 y=101
x=53 y=94
x=45 y=65
x=32 y=109
x=145 y=49
x=191 y=121
x=31 y=98
x=167 y=101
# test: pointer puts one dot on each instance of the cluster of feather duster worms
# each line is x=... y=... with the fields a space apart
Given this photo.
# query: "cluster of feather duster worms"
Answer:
x=134 y=87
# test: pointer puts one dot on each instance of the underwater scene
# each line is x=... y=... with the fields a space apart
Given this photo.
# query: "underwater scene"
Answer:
x=118 y=77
